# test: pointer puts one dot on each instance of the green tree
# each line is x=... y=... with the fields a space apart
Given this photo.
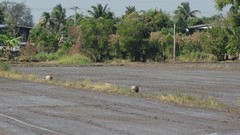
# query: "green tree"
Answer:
x=131 y=34
x=44 y=40
x=9 y=42
x=58 y=17
x=232 y=24
x=45 y=19
x=156 y=20
x=161 y=44
x=130 y=9
x=16 y=14
x=54 y=21
x=100 y=11
x=215 y=41
x=51 y=31
x=183 y=14
x=214 y=20
x=234 y=13
x=113 y=42
x=94 y=34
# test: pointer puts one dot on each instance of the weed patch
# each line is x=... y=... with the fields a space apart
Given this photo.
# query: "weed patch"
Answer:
x=197 y=57
x=190 y=101
x=4 y=66
x=74 y=59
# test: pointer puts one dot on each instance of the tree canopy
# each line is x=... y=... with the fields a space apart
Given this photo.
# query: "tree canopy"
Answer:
x=101 y=11
x=183 y=14
x=16 y=14
x=233 y=24
x=136 y=35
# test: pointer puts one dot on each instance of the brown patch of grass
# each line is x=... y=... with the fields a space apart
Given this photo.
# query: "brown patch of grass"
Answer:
x=190 y=101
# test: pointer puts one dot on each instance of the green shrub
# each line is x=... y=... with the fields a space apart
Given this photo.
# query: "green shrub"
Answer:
x=61 y=52
x=42 y=56
x=4 y=66
x=46 y=57
x=74 y=59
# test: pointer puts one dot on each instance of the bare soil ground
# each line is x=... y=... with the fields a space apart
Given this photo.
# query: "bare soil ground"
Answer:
x=31 y=108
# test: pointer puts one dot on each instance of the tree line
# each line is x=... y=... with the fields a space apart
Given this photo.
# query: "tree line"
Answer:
x=136 y=35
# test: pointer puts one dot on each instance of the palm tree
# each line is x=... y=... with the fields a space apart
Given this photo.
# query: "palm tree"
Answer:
x=45 y=19
x=234 y=5
x=58 y=16
x=100 y=11
x=182 y=16
x=184 y=11
x=130 y=9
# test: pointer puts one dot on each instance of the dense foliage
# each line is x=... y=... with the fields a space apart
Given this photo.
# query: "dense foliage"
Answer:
x=135 y=36
x=15 y=14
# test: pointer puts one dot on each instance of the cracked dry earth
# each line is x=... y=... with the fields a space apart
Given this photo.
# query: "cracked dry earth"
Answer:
x=33 y=109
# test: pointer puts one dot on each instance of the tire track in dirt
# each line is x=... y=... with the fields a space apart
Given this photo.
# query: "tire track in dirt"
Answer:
x=28 y=124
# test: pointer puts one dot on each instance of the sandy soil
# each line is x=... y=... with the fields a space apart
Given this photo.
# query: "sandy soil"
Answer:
x=30 y=108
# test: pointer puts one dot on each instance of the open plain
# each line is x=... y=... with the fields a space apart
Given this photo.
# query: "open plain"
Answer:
x=33 y=108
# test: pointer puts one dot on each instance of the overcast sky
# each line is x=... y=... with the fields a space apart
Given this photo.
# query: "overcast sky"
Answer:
x=207 y=7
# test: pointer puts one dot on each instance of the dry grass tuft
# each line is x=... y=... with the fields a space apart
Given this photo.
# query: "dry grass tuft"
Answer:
x=190 y=101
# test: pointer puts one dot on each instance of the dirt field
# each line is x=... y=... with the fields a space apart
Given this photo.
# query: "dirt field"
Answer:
x=30 y=108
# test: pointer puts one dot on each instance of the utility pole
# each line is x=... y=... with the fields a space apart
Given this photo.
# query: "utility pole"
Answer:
x=75 y=8
x=174 y=44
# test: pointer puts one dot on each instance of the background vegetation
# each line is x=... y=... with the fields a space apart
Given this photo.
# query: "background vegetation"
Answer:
x=135 y=36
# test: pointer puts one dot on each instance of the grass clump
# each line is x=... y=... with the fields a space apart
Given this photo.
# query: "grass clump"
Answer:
x=62 y=58
x=45 y=56
x=20 y=76
x=190 y=101
x=105 y=87
x=197 y=57
x=74 y=59
x=4 y=66
x=117 y=62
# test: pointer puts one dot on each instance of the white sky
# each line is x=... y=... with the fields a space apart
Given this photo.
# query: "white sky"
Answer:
x=207 y=7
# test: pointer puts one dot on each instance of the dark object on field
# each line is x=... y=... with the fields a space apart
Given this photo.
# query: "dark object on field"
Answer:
x=134 y=88
x=48 y=77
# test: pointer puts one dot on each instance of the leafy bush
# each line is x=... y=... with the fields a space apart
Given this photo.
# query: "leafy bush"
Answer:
x=74 y=59
x=41 y=56
x=45 y=56
x=62 y=51
x=51 y=56
x=4 y=66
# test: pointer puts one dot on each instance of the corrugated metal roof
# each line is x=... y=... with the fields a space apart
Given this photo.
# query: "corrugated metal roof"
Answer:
x=20 y=26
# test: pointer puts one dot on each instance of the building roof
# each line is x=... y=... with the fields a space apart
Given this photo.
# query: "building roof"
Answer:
x=201 y=27
x=20 y=26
